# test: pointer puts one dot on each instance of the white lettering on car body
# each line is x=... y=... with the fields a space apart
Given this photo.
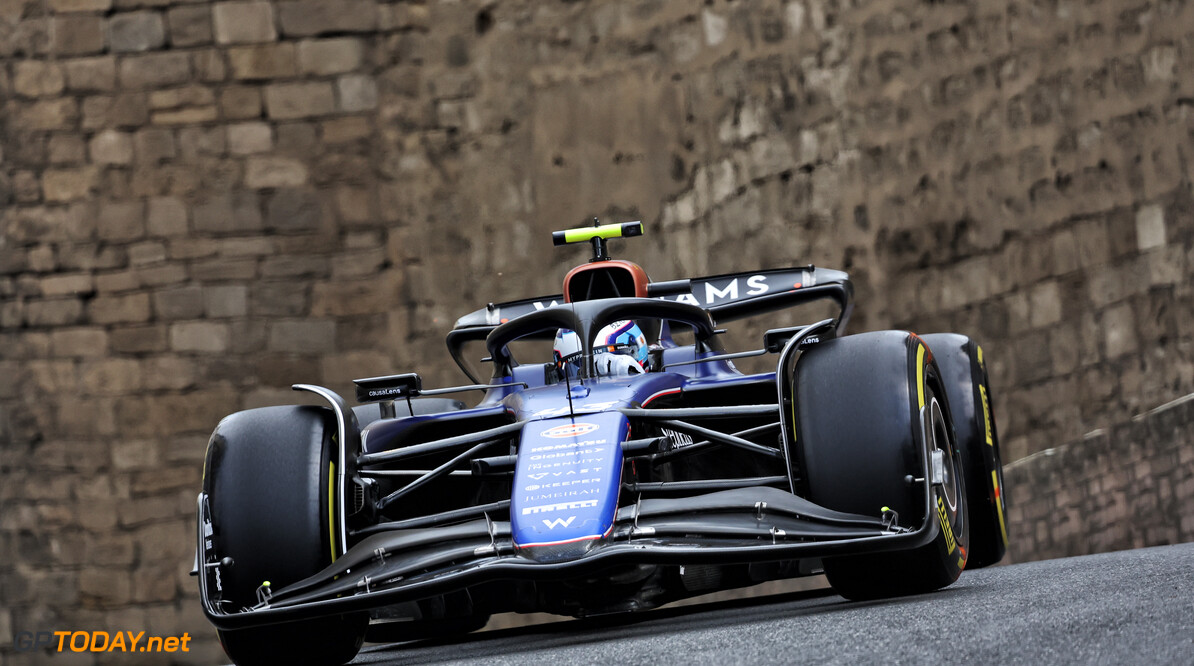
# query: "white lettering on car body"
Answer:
x=756 y=285
x=567 y=445
x=562 y=484
x=564 y=506
x=559 y=495
x=712 y=293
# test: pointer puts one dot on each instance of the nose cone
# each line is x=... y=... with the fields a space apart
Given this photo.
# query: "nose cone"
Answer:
x=566 y=484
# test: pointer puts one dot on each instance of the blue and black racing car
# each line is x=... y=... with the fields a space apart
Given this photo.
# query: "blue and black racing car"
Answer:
x=617 y=460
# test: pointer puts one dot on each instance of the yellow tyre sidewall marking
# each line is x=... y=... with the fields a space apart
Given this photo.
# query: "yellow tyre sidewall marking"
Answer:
x=332 y=507
x=951 y=541
x=982 y=389
x=986 y=415
x=920 y=376
x=999 y=505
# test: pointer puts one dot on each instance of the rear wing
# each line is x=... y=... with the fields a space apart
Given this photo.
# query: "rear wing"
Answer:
x=727 y=297
x=737 y=295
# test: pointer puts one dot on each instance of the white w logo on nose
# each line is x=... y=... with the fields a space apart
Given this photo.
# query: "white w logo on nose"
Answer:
x=558 y=522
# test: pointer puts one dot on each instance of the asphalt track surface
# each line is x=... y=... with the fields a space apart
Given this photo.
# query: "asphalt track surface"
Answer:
x=1130 y=607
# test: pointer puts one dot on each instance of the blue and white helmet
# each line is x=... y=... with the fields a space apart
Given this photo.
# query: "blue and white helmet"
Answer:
x=619 y=349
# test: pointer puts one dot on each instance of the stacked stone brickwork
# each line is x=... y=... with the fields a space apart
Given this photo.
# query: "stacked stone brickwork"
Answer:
x=1127 y=486
x=202 y=203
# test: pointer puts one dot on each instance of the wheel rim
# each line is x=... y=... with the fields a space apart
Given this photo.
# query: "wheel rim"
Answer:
x=938 y=431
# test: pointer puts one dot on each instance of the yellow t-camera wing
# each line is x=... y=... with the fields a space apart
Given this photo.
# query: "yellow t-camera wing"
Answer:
x=605 y=231
x=597 y=235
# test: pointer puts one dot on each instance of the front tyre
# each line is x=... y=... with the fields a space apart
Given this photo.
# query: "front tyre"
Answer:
x=324 y=641
x=964 y=377
x=269 y=478
x=870 y=409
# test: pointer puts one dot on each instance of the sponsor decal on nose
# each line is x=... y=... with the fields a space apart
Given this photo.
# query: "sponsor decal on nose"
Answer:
x=570 y=430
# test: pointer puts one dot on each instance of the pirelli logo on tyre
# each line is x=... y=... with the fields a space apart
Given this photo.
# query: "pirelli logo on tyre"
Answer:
x=986 y=414
x=950 y=542
x=570 y=430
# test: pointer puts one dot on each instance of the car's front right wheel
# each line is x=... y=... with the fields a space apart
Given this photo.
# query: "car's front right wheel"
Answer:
x=269 y=478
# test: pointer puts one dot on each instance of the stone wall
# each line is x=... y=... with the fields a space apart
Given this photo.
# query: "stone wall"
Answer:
x=203 y=203
x=1127 y=486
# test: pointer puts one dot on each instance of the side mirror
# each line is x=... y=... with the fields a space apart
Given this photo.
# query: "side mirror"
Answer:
x=775 y=339
x=389 y=387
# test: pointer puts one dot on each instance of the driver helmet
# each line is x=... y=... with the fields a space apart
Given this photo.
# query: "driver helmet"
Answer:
x=619 y=349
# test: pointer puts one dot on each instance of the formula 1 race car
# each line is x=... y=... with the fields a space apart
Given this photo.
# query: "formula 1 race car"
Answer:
x=626 y=464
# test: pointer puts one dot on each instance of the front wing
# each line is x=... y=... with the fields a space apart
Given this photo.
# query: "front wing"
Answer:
x=733 y=526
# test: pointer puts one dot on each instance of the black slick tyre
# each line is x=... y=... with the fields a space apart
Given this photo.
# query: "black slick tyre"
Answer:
x=870 y=409
x=269 y=476
x=440 y=617
x=964 y=376
x=324 y=641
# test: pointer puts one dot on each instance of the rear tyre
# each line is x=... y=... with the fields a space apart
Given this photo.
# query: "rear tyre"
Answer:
x=425 y=630
x=870 y=409
x=446 y=616
x=964 y=376
x=269 y=478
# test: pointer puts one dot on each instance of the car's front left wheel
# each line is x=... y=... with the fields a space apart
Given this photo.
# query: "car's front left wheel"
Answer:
x=871 y=417
x=964 y=378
